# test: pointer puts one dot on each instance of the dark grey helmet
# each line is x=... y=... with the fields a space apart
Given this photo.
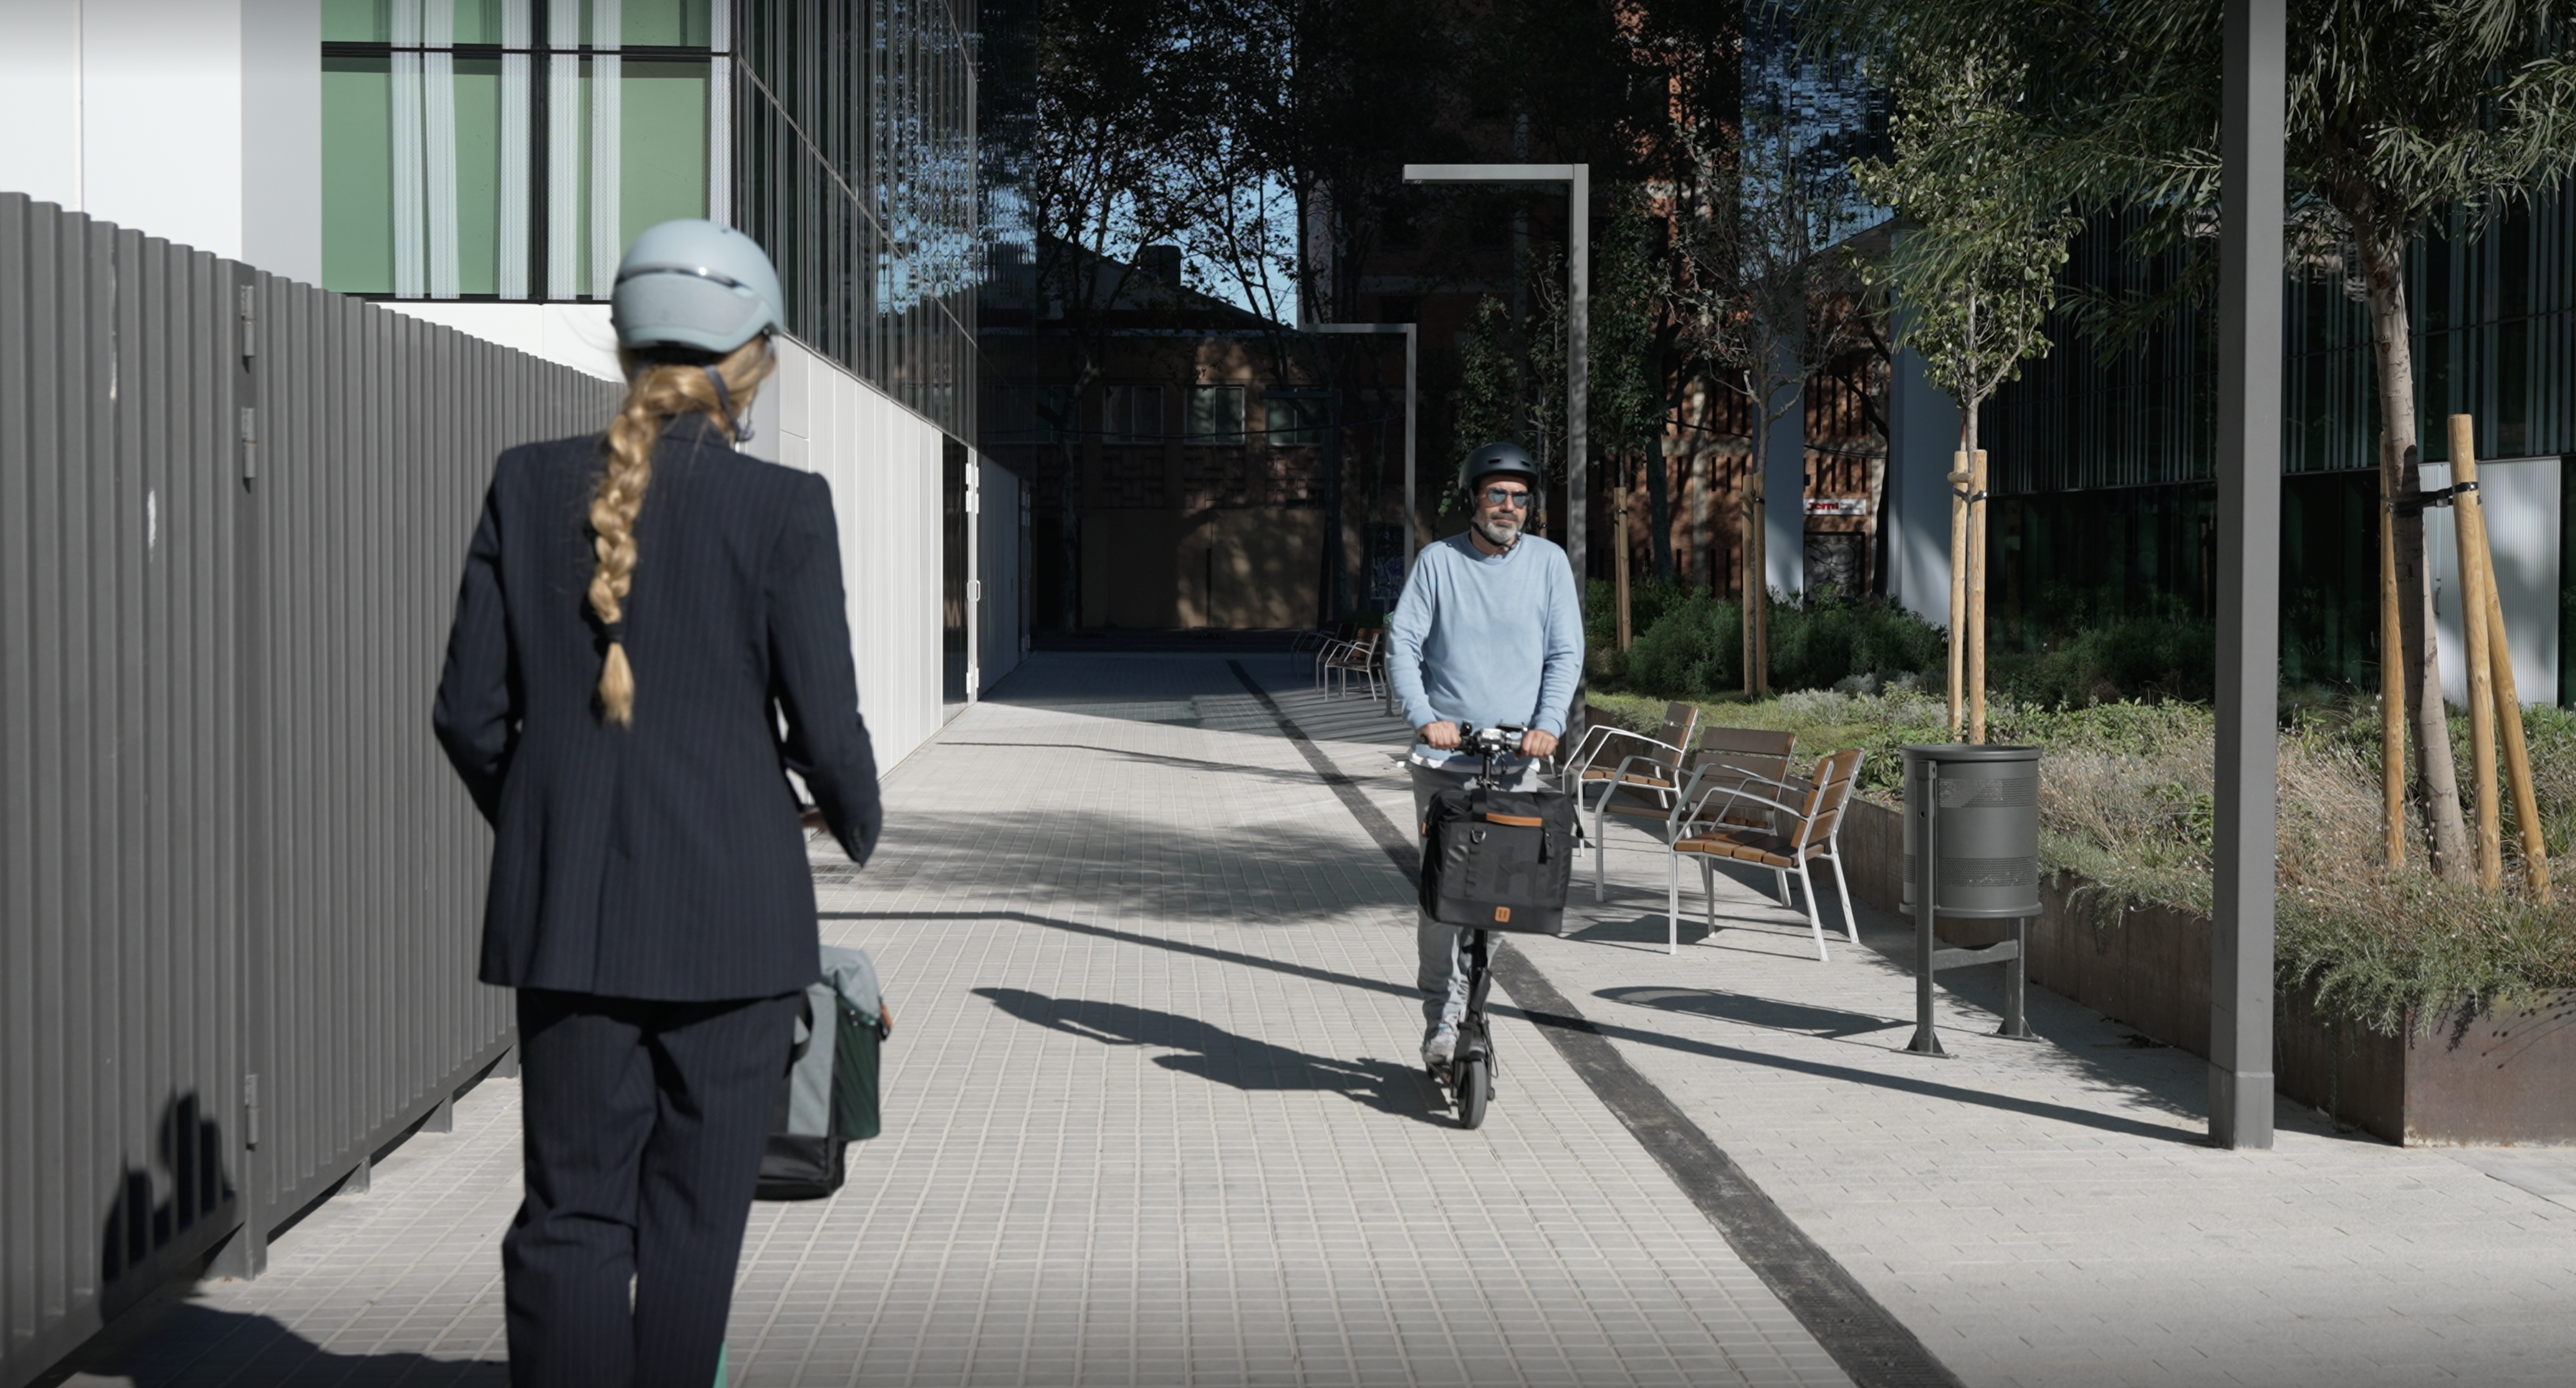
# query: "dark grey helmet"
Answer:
x=1497 y=460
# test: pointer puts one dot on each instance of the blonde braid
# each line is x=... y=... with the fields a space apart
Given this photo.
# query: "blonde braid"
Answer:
x=659 y=392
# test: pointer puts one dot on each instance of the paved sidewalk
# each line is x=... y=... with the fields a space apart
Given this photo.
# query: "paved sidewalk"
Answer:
x=1155 y=1118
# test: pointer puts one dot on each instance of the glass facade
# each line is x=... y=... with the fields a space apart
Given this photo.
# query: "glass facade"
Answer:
x=2494 y=319
x=857 y=143
x=2103 y=462
x=510 y=150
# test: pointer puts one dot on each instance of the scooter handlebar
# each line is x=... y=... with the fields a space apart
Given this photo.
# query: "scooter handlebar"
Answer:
x=1493 y=742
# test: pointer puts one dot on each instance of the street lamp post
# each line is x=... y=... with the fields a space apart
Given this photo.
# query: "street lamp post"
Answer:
x=2253 y=116
x=1578 y=275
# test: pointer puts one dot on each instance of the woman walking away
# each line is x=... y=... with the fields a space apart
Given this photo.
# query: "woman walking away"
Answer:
x=642 y=613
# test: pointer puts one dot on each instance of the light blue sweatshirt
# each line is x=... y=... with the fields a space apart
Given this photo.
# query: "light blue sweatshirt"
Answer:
x=1486 y=639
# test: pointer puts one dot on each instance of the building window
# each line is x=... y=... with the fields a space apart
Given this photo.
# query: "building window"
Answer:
x=1296 y=421
x=1216 y=416
x=1132 y=414
x=1024 y=415
x=512 y=149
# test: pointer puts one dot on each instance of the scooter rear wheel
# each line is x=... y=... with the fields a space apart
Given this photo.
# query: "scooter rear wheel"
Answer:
x=1475 y=1087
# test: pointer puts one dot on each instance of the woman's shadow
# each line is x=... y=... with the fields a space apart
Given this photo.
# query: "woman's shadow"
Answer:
x=1213 y=1053
x=160 y=1335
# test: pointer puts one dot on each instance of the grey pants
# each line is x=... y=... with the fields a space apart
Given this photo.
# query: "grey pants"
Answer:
x=1442 y=949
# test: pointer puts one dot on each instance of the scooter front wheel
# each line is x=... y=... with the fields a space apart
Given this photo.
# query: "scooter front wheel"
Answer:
x=1475 y=1087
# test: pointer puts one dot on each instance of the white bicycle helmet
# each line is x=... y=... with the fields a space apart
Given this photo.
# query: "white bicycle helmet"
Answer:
x=696 y=285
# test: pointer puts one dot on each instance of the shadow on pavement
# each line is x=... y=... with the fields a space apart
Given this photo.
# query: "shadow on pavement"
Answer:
x=1626 y=1035
x=1229 y=956
x=1213 y=1053
x=1255 y=873
x=2005 y=1103
x=192 y=1344
x=1201 y=765
x=1832 y=1024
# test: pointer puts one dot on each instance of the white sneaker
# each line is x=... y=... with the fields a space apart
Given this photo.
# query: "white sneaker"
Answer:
x=1443 y=1045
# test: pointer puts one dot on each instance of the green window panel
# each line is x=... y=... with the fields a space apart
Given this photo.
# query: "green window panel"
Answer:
x=478 y=175
x=667 y=23
x=662 y=143
x=357 y=176
x=372 y=21
x=357 y=21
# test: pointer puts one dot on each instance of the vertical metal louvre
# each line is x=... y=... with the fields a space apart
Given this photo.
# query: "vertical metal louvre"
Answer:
x=232 y=511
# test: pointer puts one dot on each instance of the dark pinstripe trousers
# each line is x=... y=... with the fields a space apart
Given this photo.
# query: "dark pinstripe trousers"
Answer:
x=643 y=1125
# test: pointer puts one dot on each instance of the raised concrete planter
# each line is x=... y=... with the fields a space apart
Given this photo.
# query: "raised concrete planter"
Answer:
x=2499 y=1077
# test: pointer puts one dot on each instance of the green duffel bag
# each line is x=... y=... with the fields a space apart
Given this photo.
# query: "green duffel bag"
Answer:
x=830 y=1098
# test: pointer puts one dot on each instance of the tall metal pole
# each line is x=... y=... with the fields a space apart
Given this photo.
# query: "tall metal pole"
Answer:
x=2249 y=574
x=1578 y=351
x=1412 y=484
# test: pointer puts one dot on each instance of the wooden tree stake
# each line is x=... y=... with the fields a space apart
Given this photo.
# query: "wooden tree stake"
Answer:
x=1959 y=477
x=2470 y=528
x=2392 y=677
x=1619 y=556
x=1977 y=598
x=2508 y=697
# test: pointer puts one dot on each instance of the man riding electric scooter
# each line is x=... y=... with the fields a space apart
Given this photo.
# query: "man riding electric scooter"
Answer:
x=1489 y=633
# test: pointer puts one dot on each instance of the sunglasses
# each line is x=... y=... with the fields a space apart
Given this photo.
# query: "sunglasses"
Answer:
x=1496 y=496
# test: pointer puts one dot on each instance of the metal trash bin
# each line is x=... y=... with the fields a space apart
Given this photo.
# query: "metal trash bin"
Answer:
x=1979 y=809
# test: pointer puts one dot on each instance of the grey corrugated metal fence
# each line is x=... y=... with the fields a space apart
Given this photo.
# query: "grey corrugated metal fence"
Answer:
x=238 y=888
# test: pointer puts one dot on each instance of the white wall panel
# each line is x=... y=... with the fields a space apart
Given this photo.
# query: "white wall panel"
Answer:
x=883 y=463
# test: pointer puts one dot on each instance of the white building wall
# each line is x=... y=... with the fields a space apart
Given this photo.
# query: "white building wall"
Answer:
x=1784 y=488
x=2519 y=498
x=194 y=120
x=577 y=335
x=883 y=462
x=1923 y=437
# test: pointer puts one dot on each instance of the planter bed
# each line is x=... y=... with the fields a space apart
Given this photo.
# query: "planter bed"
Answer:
x=2495 y=1077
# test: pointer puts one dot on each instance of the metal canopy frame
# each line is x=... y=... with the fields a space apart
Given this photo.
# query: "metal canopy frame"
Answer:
x=1578 y=319
x=1412 y=398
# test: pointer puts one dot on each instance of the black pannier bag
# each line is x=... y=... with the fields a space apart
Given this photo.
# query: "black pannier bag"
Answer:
x=1498 y=859
x=829 y=1099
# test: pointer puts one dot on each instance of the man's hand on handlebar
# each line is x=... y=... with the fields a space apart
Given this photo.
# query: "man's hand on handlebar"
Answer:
x=1532 y=743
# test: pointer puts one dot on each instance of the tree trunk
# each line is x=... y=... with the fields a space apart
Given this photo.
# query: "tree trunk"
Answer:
x=2438 y=788
x=1659 y=508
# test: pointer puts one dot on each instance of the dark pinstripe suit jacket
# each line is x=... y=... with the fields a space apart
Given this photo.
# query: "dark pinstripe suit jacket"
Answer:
x=661 y=860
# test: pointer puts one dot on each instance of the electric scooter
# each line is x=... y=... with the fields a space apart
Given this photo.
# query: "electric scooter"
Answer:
x=1469 y=1075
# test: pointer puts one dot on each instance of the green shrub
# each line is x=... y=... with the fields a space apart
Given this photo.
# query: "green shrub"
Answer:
x=1694 y=647
x=1649 y=599
x=1695 y=650
x=1822 y=642
x=2148 y=658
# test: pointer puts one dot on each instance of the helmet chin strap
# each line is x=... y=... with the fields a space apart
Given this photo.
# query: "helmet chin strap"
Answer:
x=724 y=398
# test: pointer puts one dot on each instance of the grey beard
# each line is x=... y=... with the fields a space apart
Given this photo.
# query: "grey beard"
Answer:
x=1498 y=536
